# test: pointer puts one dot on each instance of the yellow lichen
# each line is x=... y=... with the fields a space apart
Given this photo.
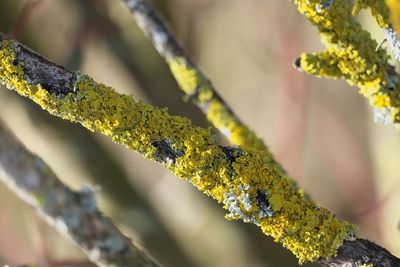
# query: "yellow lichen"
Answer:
x=378 y=9
x=394 y=14
x=193 y=83
x=351 y=53
x=308 y=231
x=187 y=77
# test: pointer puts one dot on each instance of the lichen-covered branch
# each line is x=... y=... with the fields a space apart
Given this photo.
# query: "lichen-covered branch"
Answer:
x=385 y=20
x=394 y=8
x=191 y=79
x=352 y=54
x=246 y=181
x=74 y=214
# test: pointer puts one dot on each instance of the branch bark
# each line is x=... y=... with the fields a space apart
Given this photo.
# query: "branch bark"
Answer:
x=361 y=252
x=246 y=181
x=74 y=214
x=351 y=54
x=191 y=79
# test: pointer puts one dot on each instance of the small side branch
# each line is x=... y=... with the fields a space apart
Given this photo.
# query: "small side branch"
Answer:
x=247 y=182
x=74 y=214
x=190 y=78
x=354 y=53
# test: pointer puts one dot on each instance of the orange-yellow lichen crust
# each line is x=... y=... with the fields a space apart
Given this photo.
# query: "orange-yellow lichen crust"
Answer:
x=351 y=53
x=394 y=7
x=196 y=85
x=270 y=199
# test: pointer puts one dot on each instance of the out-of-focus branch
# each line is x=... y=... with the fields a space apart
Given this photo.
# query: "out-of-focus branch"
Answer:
x=74 y=214
x=191 y=79
x=245 y=181
x=29 y=9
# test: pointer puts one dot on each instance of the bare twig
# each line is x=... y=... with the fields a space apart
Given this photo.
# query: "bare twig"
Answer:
x=74 y=214
x=361 y=252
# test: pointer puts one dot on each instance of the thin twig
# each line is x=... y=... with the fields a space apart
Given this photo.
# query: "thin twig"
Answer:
x=191 y=79
x=245 y=180
x=74 y=214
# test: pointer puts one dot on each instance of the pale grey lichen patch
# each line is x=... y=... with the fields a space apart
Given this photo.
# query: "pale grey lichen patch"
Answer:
x=115 y=244
x=383 y=115
x=88 y=199
x=323 y=6
x=319 y=8
x=94 y=254
x=247 y=206
x=393 y=41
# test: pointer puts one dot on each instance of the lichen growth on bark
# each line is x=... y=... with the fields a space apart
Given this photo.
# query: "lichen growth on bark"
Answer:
x=199 y=89
x=265 y=195
x=378 y=9
x=351 y=54
x=394 y=9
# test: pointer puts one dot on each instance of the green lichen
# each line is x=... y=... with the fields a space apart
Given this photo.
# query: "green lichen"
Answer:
x=351 y=53
x=309 y=231
x=194 y=84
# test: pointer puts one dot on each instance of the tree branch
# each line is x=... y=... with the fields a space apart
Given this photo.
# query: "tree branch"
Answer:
x=190 y=78
x=361 y=252
x=246 y=181
x=357 y=57
x=74 y=214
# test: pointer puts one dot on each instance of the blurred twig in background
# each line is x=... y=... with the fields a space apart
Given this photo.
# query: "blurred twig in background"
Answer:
x=191 y=79
x=189 y=151
x=74 y=214
x=81 y=41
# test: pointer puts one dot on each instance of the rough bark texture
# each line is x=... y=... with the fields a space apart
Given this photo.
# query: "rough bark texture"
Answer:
x=361 y=252
x=73 y=213
x=245 y=181
x=190 y=78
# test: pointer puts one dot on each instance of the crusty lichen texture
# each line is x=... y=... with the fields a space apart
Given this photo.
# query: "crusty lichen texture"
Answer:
x=200 y=90
x=191 y=79
x=245 y=181
x=394 y=8
x=378 y=9
x=351 y=53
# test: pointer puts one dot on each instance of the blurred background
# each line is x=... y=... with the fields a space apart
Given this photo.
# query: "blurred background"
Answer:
x=322 y=131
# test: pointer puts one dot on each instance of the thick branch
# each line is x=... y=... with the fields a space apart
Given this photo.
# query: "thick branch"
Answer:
x=360 y=61
x=74 y=214
x=361 y=252
x=191 y=79
x=246 y=181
